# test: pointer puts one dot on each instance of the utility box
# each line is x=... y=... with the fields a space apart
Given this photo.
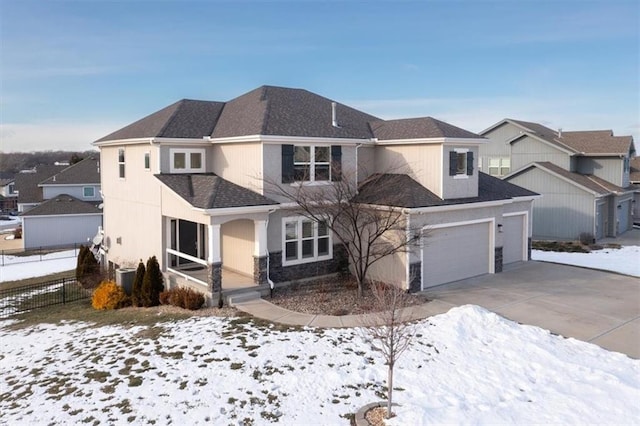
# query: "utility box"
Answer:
x=124 y=278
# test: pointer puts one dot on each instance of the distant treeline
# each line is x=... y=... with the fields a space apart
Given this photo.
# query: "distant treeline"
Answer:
x=13 y=162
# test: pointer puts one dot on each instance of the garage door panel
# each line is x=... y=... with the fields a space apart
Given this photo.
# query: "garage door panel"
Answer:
x=455 y=253
x=513 y=239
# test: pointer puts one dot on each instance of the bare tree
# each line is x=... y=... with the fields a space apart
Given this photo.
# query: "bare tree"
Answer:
x=368 y=232
x=389 y=330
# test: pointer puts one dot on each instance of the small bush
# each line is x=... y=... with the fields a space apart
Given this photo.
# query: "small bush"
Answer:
x=17 y=233
x=109 y=295
x=586 y=238
x=182 y=297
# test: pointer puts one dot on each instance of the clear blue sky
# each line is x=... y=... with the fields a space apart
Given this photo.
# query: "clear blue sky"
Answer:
x=73 y=71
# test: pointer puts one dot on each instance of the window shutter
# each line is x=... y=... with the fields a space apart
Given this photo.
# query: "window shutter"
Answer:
x=469 y=163
x=453 y=163
x=336 y=163
x=287 y=163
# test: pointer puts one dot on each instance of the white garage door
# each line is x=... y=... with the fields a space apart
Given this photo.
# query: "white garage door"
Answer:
x=455 y=253
x=513 y=249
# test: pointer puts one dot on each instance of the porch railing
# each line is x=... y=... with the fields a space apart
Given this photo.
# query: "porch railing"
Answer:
x=188 y=267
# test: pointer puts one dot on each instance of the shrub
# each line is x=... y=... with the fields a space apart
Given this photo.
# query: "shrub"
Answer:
x=80 y=263
x=137 y=298
x=17 y=234
x=182 y=297
x=109 y=295
x=152 y=283
x=586 y=238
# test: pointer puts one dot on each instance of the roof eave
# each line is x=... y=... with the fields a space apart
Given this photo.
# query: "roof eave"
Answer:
x=440 y=140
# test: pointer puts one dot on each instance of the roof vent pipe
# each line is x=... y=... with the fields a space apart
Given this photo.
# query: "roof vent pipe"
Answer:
x=334 y=118
x=560 y=132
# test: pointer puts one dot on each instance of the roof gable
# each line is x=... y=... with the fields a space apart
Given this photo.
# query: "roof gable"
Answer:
x=86 y=171
x=594 y=142
x=27 y=182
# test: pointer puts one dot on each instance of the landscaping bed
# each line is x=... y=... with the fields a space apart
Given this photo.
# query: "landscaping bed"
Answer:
x=570 y=246
x=330 y=296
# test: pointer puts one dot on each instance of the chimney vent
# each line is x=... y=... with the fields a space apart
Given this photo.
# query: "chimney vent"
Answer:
x=560 y=132
x=334 y=117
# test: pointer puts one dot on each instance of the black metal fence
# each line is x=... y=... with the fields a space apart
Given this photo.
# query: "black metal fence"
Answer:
x=38 y=254
x=34 y=296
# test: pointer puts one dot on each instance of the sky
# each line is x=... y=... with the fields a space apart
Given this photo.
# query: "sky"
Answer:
x=74 y=71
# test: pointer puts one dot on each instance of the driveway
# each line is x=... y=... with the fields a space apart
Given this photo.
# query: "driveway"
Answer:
x=590 y=305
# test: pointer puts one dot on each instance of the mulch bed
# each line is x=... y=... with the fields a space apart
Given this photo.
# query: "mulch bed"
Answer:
x=333 y=296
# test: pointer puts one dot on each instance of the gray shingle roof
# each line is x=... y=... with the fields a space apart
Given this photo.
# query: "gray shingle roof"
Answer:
x=634 y=175
x=27 y=183
x=63 y=204
x=591 y=182
x=415 y=128
x=209 y=191
x=278 y=111
x=402 y=191
x=184 y=119
x=86 y=171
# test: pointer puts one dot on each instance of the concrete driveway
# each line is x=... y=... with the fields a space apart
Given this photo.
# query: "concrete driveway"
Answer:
x=594 y=306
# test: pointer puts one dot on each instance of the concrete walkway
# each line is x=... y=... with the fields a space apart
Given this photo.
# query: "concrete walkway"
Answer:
x=589 y=305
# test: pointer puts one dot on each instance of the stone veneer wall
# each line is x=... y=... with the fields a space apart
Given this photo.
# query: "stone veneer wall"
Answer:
x=279 y=273
x=529 y=249
x=498 y=260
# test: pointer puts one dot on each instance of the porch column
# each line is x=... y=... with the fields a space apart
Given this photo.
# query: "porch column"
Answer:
x=214 y=260
x=260 y=252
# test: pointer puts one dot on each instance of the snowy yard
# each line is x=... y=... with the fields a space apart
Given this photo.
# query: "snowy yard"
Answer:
x=466 y=366
x=625 y=260
x=31 y=266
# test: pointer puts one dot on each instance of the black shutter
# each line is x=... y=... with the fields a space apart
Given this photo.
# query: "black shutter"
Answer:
x=287 y=164
x=336 y=163
x=469 y=163
x=453 y=163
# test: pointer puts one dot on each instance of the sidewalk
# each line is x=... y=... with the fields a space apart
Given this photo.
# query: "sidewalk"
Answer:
x=263 y=309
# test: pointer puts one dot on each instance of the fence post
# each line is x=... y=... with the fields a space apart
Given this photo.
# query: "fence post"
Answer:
x=64 y=291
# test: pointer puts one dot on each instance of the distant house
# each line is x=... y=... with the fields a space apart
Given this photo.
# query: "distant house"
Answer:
x=8 y=193
x=187 y=184
x=634 y=179
x=583 y=176
x=61 y=204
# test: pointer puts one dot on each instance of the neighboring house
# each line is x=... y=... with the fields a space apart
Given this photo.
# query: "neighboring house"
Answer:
x=8 y=193
x=634 y=179
x=64 y=206
x=189 y=184
x=26 y=183
x=583 y=176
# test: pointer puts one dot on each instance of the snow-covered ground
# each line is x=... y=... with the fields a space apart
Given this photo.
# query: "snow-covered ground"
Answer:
x=625 y=260
x=12 y=223
x=466 y=366
x=31 y=266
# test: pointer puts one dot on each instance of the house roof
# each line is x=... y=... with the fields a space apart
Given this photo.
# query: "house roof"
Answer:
x=184 y=119
x=209 y=191
x=63 y=204
x=590 y=182
x=27 y=182
x=278 y=111
x=401 y=190
x=6 y=181
x=634 y=175
x=415 y=128
x=584 y=142
x=86 y=171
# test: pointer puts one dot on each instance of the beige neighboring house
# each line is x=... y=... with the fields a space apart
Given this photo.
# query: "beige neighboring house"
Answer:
x=583 y=176
x=187 y=184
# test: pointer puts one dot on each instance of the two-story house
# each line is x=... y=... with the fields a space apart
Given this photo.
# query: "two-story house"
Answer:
x=63 y=204
x=634 y=180
x=189 y=184
x=583 y=176
x=8 y=193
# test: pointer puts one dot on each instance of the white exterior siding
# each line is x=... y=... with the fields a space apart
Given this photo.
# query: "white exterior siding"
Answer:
x=514 y=228
x=459 y=186
x=497 y=146
x=42 y=231
x=610 y=169
x=238 y=246
x=422 y=162
x=240 y=163
x=528 y=150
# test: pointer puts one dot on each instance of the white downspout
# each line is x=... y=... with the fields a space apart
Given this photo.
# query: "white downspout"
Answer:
x=266 y=225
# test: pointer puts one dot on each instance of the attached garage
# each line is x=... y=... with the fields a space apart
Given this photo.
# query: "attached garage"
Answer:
x=455 y=251
x=514 y=237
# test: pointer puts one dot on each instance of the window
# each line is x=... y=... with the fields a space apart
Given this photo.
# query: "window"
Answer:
x=499 y=166
x=187 y=160
x=88 y=192
x=305 y=241
x=147 y=161
x=121 y=162
x=311 y=163
x=460 y=163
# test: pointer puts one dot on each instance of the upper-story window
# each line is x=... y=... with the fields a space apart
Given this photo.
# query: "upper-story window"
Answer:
x=147 y=161
x=499 y=166
x=88 y=192
x=627 y=164
x=12 y=188
x=460 y=162
x=187 y=160
x=121 y=162
x=306 y=163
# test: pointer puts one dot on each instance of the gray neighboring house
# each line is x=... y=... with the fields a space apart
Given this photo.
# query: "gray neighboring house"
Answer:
x=8 y=194
x=583 y=176
x=197 y=172
x=634 y=179
x=63 y=207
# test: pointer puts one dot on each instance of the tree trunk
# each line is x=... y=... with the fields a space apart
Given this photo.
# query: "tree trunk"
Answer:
x=389 y=390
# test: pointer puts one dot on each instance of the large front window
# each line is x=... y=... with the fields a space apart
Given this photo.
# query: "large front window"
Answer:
x=187 y=160
x=312 y=163
x=305 y=241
